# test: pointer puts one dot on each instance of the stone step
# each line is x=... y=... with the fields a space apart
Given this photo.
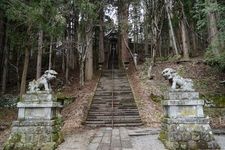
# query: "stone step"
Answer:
x=109 y=113
x=104 y=97
x=110 y=121
x=107 y=102
x=115 y=113
x=115 y=125
x=116 y=119
x=110 y=109
x=102 y=104
x=125 y=112
x=123 y=92
x=114 y=116
x=114 y=109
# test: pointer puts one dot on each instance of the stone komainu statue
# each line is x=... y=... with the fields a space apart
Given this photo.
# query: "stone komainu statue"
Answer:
x=177 y=81
x=42 y=84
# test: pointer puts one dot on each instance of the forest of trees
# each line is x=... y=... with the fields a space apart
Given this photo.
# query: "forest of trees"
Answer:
x=69 y=35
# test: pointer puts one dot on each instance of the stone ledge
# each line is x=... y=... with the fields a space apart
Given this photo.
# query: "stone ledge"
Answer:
x=193 y=120
x=42 y=96
x=33 y=123
x=38 y=105
x=181 y=95
x=182 y=102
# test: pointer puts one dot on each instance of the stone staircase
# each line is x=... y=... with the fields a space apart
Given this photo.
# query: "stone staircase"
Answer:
x=113 y=103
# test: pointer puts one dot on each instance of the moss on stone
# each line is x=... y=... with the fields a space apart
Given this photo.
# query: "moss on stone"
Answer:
x=12 y=142
x=162 y=136
x=188 y=112
x=57 y=135
x=48 y=146
x=65 y=100
x=217 y=100
x=183 y=145
x=156 y=98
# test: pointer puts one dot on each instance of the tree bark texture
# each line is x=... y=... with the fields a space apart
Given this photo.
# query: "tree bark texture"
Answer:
x=5 y=66
x=24 y=74
x=194 y=40
x=67 y=65
x=2 y=38
x=123 y=20
x=146 y=44
x=39 y=56
x=185 y=41
x=50 y=54
x=63 y=61
x=173 y=38
x=213 y=32
x=89 y=57
x=101 y=37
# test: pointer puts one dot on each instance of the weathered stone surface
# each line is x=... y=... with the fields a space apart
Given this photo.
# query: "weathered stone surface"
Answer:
x=183 y=102
x=189 y=120
x=42 y=83
x=175 y=111
x=178 y=82
x=192 y=144
x=39 y=96
x=181 y=95
x=38 y=125
x=38 y=111
x=184 y=125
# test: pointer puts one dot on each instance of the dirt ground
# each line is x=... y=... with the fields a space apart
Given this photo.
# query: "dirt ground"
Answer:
x=150 y=111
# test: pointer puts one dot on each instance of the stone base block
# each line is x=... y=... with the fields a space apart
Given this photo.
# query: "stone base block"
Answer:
x=183 y=108
x=192 y=134
x=181 y=95
x=39 y=97
x=42 y=110
x=35 y=135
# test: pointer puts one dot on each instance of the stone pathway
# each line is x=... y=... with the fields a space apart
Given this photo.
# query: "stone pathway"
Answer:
x=122 y=138
x=113 y=139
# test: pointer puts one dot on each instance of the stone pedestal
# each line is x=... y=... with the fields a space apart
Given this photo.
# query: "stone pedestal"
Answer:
x=184 y=125
x=38 y=125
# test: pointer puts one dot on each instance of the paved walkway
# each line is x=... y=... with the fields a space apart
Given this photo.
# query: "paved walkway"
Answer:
x=119 y=139
x=113 y=139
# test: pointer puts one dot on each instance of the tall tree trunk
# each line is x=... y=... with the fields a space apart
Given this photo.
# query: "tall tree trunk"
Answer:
x=50 y=54
x=89 y=57
x=213 y=31
x=194 y=40
x=17 y=66
x=67 y=65
x=5 y=66
x=82 y=73
x=101 y=37
x=68 y=50
x=168 y=11
x=146 y=44
x=39 y=56
x=63 y=61
x=25 y=69
x=185 y=41
x=160 y=46
x=2 y=38
x=154 y=42
x=71 y=53
x=123 y=16
x=76 y=23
